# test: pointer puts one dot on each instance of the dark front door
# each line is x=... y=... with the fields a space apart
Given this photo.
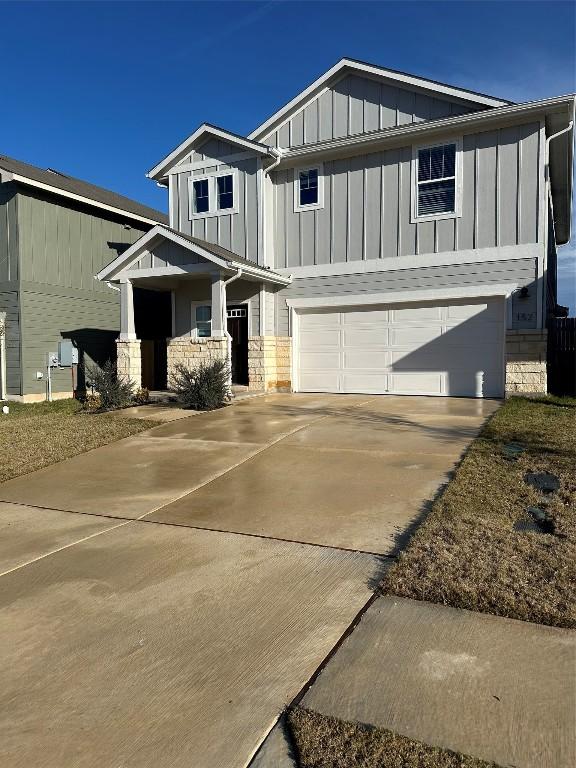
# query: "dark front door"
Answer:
x=237 y=325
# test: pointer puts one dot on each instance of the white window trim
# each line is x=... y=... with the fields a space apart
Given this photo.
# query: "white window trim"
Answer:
x=229 y=303
x=313 y=206
x=212 y=194
x=193 y=328
x=415 y=218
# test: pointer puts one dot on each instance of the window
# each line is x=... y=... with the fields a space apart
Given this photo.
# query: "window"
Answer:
x=213 y=195
x=203 y=318
x=436 y=192
x=225 y=186
x=201 y=196
x=308 y=188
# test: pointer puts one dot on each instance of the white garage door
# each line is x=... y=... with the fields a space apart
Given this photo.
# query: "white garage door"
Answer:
x=453 y=348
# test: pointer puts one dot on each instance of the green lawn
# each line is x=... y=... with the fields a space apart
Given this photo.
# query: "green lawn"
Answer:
x=33 y=436
x=468 y=554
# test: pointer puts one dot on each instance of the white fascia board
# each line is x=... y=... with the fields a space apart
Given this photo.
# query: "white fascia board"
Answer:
x=80 y=198
x=460 y=122
x=530 y=252
x=305 y=96
x=403 y=297
x=159 y=170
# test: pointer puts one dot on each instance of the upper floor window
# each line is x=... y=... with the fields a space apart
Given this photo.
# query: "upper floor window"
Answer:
x=225 y=186
x=435 y=182
x=213 y=195
x=308 y=188
x=201 y=197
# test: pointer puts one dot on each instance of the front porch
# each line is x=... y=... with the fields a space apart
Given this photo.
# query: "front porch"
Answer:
x=185 y=301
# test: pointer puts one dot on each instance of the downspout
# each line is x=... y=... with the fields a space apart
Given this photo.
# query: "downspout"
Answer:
x=277 y=154
x=225 y=284
x=547 y=180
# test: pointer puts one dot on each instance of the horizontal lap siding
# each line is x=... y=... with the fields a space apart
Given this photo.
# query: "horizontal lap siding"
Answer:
x=358 y=104
x=91 y=322
x=367 y=204
x=10 y=305
x=61 y=248
x=517 y=271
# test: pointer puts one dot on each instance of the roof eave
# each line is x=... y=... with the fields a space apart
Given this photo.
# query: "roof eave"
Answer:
x=158 y=172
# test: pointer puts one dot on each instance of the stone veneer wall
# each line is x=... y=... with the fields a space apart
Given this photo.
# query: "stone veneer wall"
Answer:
x=269 y=363
x=526 y=361
x=129 y=361
x=192 y=351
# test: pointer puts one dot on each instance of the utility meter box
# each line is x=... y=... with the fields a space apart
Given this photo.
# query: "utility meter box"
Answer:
x=67 y=354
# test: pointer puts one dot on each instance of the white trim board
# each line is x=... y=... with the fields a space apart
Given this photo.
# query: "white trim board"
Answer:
x=393 y=263
x=403 y=297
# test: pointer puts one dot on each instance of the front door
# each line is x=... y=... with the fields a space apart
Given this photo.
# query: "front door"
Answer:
x=237 y=325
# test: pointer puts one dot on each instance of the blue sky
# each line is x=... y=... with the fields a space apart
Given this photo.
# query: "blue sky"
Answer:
x=104 y=90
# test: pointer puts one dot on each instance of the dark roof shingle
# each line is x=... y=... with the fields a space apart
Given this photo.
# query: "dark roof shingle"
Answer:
x=61 y=181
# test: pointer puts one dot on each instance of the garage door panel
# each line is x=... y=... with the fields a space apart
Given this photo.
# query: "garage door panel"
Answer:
x=367 y=316
x=319 y=339
x=409 y=314
x=366 y=359
x=362 y=337
x=400 y=337
x=417 y=382
x=320 y=361
x=368 y=382
x=452 y=348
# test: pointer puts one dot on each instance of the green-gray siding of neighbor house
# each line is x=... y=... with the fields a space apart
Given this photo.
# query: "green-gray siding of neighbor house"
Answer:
x=60 y=246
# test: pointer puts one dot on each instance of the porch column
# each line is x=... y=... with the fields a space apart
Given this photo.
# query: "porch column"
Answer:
x=218 y=304
x=127 y=327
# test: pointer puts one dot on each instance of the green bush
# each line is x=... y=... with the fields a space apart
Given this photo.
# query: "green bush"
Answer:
x=114 y=391
x=202 y=388
x=142 y=396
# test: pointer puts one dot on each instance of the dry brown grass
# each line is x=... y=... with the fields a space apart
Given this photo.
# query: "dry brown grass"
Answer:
x=467 y=553
x=33 y=436
x=324 y=742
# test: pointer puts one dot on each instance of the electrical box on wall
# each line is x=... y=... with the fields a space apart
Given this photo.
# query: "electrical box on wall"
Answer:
x=67 y=354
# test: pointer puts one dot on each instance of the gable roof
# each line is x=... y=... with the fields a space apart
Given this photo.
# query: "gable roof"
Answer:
x=218 y=255
x=203 y=132
x=347 y=66
x=63 y=185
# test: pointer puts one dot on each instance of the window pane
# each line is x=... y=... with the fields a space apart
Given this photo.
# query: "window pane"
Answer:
x=225 y=192
x=203 y=314
x=436 y=197
x=204 y=329
x=423 y=164
x=450 y=160
x=201 y=202
x=436 y=162
x=308 y=181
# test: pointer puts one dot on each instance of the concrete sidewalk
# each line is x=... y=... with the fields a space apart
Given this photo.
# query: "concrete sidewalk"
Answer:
x=498 y=689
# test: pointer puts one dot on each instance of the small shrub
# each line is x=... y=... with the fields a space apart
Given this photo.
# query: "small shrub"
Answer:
x=202 y=388
x=114 y=391
x=142 y=396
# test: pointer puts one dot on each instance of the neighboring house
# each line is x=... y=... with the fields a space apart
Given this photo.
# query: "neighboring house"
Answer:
x=381 y=233
x=56 y=232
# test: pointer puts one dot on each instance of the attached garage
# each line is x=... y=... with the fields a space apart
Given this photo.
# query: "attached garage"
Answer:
x=453 y=348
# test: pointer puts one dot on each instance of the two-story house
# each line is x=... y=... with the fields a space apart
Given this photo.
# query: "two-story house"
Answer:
x=381 y=233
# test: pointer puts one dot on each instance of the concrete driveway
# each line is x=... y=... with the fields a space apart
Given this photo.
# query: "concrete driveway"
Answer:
x=163 y=598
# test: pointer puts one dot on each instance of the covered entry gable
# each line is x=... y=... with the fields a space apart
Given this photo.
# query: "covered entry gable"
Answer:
x=165 y=252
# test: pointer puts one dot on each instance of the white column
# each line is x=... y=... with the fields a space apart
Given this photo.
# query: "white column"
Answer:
x=127 y=327
x=218 y=304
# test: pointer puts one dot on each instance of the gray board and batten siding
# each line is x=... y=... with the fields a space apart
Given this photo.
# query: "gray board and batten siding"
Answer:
x=61 y=246
x=238 y=232
x=359 y=104
x=367 y=204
